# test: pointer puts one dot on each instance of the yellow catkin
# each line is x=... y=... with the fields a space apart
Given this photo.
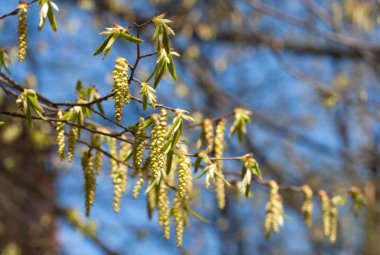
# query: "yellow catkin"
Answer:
x=96 y=142
x=60 y=128
x=325 y=200
x=22 y=30
x=307 y=206
x=121 y=87
x=163 y=209
x=207 y=136
x=218 y=152
x=184 y=173
x=335 y=202
x=333 y=222
x=113 y=152
x=139 y=145
x=118 y=174
x=157 y=155
x=274 y=211
x=73 y=135
x=138 y=185
x=179 y=221
x=89 y=180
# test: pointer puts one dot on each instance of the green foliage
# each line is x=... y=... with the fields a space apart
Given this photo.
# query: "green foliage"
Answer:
x=4 y=61
x=114 y=33
x=47 y=10
x=242 y=117
x=27 y=102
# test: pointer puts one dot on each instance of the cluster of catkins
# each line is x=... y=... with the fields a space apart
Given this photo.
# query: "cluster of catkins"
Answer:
x=329 y=215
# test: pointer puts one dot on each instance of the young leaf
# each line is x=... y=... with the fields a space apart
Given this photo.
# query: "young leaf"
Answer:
x=102 y=46
x=130 y=38
x=51 y=17
x=197 y=164
x=196 y=215
x=172 y=68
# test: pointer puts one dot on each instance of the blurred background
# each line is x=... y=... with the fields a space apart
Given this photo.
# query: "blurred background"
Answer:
x=308 y=70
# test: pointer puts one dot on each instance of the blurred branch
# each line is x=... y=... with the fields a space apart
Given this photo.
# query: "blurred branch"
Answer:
x=15 y=11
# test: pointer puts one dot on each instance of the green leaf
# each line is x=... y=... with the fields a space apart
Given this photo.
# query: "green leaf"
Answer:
x=130 y=38
x=145 y=102
x=109 y=45
x=169 y=161
x=165 y=40
x=200 y=175
x=150 y=187
x=100 y=107
x=160 y=72
x=2 y=123
x=29 y=117
x=256 y=171
x=50 y=14
x=32 y=102
x=222 y=178
x=172 y=68
x=197 y=164
x=101 y=47
x=247 y=190
x=86 y=111
x=196 y=215
x=157 y=31
x=79 y=86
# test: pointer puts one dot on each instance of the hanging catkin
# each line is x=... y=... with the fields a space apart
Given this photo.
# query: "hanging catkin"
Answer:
x=178 y=215
x=22 y=29
x=89 y=180
x=157 y=155
x=163 y=209
x=60 y=128
x=96 y=142
x=121 y=87
x=325 y=212
x=274 y=211
x=73 y=135
x=218 y=152
x=307 y=206
x=139 y=145
x=184 y=173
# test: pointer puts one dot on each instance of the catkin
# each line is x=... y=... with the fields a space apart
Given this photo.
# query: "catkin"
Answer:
x=121 y=86
x=274 y=211
x=207 y=136
x=118 y=175
x=333 y=222
x=89 y=180
x=22 y=30
x=139 y=145
x=218 y=150
x=178 y=219
x=163 y=209
x=157 y=155
x=325 y=212
x=184 y=173
x=73 y=135
x=307 y=206
x=96 y=142
x=138 y=185
x=113 y=152
x=60 y=128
